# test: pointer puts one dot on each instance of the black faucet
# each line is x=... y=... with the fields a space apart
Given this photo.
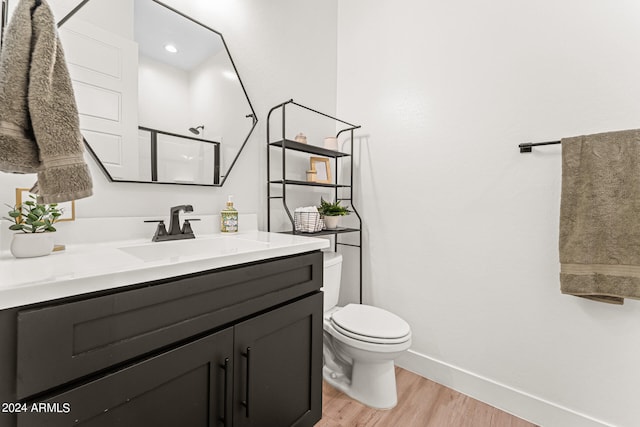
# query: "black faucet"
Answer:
x=175 y=231
x=174 y=222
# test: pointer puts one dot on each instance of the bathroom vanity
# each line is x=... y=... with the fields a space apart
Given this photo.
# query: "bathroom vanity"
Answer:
x=228 y=337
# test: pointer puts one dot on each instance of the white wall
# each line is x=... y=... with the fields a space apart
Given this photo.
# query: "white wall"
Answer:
x=462 y=229
x=266 y=40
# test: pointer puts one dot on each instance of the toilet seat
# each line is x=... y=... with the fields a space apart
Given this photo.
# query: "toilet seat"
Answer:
x=370 y=324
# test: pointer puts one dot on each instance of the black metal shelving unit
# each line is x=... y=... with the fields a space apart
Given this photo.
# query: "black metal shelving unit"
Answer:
x=285 y=145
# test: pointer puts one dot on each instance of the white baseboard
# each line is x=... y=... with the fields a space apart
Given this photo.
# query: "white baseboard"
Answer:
x=501 y=396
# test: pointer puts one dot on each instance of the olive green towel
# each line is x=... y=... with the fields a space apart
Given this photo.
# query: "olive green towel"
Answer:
x=39 y=124
x=600 y=216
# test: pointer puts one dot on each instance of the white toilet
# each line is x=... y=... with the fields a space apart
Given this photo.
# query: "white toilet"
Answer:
x=360 y=344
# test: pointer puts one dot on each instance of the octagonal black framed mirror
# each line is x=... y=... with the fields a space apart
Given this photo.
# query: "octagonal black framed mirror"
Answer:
x=159 y=96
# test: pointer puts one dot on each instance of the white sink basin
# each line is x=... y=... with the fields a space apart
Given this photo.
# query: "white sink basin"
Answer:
x=193 y=248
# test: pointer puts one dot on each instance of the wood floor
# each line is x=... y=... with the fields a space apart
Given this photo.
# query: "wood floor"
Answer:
x=421 y=403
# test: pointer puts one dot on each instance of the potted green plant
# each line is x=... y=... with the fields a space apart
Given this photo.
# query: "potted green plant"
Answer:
x=331 y=213
x=35 y=222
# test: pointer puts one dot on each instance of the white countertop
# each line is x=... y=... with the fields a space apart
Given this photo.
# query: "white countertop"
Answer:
x=84 y=268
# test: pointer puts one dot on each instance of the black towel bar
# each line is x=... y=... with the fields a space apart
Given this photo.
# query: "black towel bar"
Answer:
x=526 y=147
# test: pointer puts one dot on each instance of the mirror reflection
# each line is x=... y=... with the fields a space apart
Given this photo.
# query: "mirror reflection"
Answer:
x=159 y=97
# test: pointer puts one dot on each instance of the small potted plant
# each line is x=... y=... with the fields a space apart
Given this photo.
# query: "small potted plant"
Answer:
x=35 y=222
x=331 y=213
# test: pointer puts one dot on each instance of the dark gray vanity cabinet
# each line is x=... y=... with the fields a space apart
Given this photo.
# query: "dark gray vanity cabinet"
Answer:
x=239 y=346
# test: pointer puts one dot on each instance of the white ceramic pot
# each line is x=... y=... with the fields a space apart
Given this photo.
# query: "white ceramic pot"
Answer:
x=331 y=143
x=29 y=245
x=331 y=222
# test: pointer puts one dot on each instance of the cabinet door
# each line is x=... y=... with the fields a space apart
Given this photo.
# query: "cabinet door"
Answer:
x=278 y=373
x=187 y=386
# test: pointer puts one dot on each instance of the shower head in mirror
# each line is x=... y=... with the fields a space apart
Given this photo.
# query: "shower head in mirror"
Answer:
x=195 y=130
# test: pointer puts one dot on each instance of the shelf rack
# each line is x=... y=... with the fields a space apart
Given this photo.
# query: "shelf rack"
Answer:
x=285 y=145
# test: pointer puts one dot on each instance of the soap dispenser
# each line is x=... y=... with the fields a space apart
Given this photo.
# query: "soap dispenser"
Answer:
x=229 y=218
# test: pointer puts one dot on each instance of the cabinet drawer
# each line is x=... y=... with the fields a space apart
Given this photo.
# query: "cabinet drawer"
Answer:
x=65 y=342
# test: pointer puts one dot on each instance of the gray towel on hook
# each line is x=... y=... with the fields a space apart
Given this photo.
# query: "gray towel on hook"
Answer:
x=600 y=216
x=39 y=124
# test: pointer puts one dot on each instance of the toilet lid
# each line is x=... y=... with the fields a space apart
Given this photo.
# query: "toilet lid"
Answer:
x=368 y=323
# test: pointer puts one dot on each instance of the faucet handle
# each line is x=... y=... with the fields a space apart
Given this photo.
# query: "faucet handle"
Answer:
x=160 y=231
x=186 y=227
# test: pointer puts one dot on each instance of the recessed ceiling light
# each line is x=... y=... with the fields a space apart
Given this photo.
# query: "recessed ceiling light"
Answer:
x=171 y=48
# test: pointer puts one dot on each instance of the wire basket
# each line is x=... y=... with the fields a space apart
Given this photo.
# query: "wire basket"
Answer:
x=308 y=222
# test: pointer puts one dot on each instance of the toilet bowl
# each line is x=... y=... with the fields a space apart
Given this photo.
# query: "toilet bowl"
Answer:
x=361 y=343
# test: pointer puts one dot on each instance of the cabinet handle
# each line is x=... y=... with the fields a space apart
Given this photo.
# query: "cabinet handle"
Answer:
x=245 y=402
x=225 y=368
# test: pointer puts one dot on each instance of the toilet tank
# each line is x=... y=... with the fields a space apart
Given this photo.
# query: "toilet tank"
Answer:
x=331 y=279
